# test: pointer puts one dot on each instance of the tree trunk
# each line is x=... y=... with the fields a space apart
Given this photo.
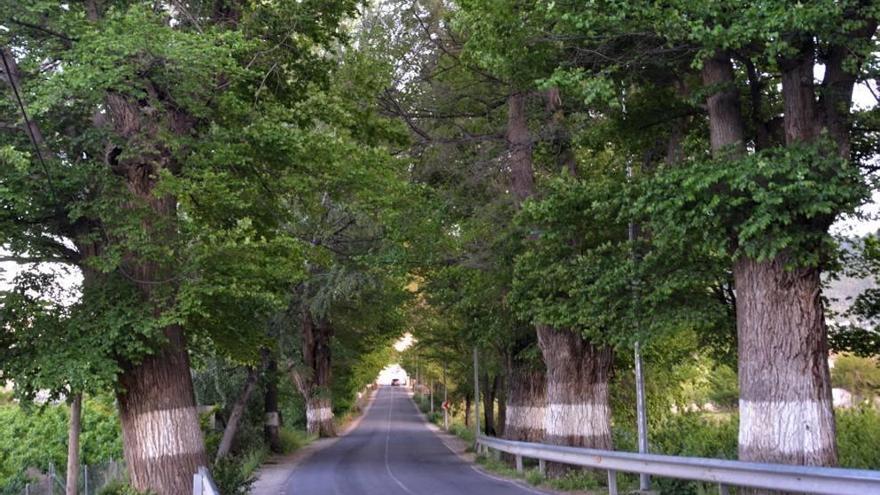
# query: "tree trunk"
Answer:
x=161 y=436
x=498 y=388
x=526 y=402
x=272 y=423
x=75 y=427
x=786 y=413
x=577 y=413
x=519 y=149
x=488 y=405
x=467 y=410
x=236 y=415
x=319 y=417
x=314 y=383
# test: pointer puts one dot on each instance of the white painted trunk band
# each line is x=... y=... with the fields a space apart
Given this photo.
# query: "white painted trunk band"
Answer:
x=318 y=414
x=168 y=432
x=585 y=420
x=272 y=419
x=786 y=427
x=525 y=417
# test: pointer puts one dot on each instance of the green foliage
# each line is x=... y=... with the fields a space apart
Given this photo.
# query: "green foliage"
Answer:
x=120 y=488
x=780 y=201
x=859 y=376
x=858 y=430
x=293 y=440
x=575 y=480
x=35 y=437
x=231 y=475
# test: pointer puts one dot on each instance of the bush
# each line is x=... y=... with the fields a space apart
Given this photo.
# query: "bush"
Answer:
x=860 y=376
x=858 y=437
x=695 y=435
x=230 y=477
x=120 y=488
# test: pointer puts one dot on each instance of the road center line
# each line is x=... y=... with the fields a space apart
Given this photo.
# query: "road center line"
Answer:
x=387 y=440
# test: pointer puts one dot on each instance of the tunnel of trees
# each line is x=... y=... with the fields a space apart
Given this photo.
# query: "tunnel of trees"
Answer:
x=247 y=203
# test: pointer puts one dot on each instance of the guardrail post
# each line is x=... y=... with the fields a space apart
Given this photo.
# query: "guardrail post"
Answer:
x=197 y=483
x=519 y=464
x=723 y=489
x=612 y=482
x=542 y=467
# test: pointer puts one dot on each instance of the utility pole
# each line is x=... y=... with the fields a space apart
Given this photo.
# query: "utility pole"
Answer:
x=476 y=396
x=641 y=410
x=445 y=400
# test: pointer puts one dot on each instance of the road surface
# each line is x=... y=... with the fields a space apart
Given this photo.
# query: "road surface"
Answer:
x=392 y=452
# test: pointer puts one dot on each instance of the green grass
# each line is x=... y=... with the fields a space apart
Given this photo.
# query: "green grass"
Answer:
x=251 y=461
x=293 y=440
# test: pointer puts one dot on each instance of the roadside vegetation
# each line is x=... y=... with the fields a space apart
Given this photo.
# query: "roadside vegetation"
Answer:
x=218 y=216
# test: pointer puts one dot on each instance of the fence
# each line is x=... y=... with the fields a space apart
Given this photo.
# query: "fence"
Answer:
x=92 y=478
x=724 y=473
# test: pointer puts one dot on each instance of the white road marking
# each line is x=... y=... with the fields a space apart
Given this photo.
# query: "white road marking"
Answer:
x=430 y=427
x=387 y=441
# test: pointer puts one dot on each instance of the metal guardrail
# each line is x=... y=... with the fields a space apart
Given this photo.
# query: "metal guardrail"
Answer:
x=203 y=484
x=803 y=479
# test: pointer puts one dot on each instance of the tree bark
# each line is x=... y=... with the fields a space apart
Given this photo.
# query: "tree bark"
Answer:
x=161 y=436
x=577 y=412
x=314 y=383
x=272 y=423
x=519 y=149
x=75 y=426
x=786 y=413
x=785 y=393
x=236 y=415
x=498 y=388
x=488 y=405
x=526 y=402
x=467 y=410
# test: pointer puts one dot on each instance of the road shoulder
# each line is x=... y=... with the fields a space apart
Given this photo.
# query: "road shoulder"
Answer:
x=461 y=448
x=273 y=475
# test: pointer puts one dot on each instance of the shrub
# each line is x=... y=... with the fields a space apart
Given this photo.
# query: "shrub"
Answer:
x=858 y=375
x=120 y=488
x=231 y=478
x=858 y=435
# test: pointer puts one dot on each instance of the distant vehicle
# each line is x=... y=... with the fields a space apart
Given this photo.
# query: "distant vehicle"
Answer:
x=395 y=382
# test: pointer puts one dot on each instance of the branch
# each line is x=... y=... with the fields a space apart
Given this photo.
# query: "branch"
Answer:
x=25 y=260
x=68 y=41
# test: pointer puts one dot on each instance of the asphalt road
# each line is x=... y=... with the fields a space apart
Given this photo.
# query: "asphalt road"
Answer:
x=392 y=452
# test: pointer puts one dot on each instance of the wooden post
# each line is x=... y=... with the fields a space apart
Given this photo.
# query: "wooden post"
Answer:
x=519 y=464
x=542 y=467
x=476 y=395
x=445 y=400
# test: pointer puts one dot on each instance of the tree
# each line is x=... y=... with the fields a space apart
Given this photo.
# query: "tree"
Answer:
x=127 y=138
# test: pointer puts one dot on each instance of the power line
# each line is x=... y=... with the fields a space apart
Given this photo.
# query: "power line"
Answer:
x=27 y=124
